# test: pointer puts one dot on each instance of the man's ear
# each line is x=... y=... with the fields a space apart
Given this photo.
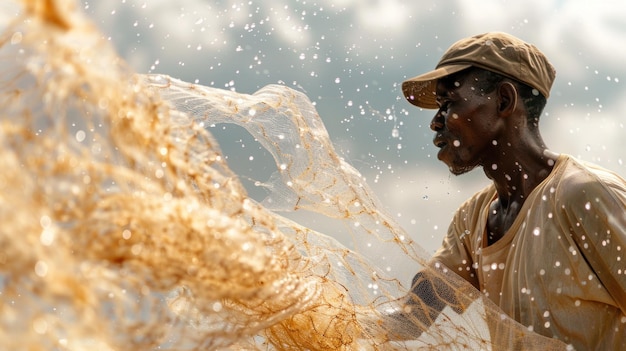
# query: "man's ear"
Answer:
x=507 y=98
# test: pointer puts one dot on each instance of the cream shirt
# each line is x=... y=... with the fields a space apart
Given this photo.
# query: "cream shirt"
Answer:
x=561 y=267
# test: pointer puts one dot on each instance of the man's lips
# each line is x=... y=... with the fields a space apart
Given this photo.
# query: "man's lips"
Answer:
x=439 y=141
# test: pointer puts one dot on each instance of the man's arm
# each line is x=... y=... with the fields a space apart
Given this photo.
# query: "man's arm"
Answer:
x=430 y=293
x=436 y=287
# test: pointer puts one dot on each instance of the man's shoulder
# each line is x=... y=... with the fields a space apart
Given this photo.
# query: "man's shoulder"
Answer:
x=575 y=171
x=574 y=177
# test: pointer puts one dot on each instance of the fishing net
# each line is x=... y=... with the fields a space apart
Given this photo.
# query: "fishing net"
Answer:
x=123 y=227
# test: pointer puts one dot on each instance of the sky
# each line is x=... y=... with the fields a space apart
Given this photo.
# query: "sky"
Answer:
x=350 y=58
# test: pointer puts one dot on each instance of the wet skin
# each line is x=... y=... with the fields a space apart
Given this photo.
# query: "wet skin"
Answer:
x=490 y=130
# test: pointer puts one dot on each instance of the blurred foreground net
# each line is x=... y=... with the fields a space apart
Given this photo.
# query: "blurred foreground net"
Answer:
x=124 y=229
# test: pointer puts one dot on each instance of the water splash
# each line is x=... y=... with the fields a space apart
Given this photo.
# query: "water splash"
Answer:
x=124 y=228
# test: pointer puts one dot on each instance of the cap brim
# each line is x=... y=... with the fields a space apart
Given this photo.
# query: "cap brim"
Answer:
x=421 y=90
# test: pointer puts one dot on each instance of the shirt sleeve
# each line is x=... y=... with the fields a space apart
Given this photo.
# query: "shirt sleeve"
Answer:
x=594 y=208
x=456 y=249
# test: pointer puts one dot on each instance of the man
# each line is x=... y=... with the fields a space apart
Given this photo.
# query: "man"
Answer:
x=546 y=241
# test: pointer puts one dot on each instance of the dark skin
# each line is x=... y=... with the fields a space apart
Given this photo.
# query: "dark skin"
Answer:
x=474 y=128
x=491 y=130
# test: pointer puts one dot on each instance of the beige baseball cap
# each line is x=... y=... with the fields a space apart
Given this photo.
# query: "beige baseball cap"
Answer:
x=498 y=52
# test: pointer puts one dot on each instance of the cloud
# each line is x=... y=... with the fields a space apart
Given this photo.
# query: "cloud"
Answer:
x=349 y=57
x=383 y=15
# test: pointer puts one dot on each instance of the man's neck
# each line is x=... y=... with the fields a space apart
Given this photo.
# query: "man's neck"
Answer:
x=517 y=173
x=514 y=181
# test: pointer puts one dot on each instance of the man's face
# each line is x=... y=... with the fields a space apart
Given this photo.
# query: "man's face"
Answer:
x=466 y=124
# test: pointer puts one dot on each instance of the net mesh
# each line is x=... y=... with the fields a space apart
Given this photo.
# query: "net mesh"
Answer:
x=124 y=228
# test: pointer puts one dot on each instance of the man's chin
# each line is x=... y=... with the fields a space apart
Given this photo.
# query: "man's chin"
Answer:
x=456 y=170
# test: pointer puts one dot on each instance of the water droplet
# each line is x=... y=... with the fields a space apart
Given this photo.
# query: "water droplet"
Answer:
x=217 y=306
x=80 y=136
x=47 y=236
x=16 y=38
x=136 y=249
x=45 y=221
x=41 y=268
x=40 y=326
